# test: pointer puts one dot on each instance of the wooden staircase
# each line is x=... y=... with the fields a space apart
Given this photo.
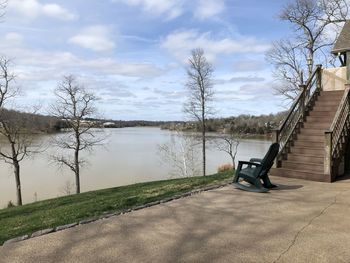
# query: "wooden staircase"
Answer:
x=314 y=136
x=306 y=157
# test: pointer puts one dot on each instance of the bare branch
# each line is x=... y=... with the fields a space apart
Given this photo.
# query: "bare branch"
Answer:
x=294 y=58
x=3 y=5
x=229 y=143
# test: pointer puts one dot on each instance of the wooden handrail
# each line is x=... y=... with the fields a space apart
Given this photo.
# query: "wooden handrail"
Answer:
x=297 y=100
x=339 y=110
x=292 y=108
x=317 y=69
x=337 y=135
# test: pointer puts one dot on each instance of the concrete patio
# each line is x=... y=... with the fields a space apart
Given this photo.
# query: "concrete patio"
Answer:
x=303 y=221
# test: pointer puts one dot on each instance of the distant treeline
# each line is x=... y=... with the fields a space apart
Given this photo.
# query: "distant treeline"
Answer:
x=243 y=124
x=36 y=123
x=123 y=124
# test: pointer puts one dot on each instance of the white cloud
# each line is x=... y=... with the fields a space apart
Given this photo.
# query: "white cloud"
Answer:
x=170 y=8
x=180 y=44
x=249 y=65
x=14 y=38
x=130 y=69
x=34 y=65
x=209 y=8
x=34 y=9
x=96 y=38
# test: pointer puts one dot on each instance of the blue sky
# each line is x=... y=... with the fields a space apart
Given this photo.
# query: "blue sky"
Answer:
x=132 y=53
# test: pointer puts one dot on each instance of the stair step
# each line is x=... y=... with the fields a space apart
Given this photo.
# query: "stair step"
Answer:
x=316 y=126
x=331 y=92
x=334 y=93
x=327 y=103
x=332 y=108
x=305 y=158
x=321 y=114
x=330 y=96
x=302 y=166
x=319 y=119
x=310 y=131
x=311 y=137
x=307 y=151
x=313 y=176
x=309 y=144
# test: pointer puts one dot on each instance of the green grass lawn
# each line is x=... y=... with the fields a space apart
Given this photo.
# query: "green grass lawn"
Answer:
x=26 y=219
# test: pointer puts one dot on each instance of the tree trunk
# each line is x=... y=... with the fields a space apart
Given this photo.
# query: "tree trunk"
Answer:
x=77 y=171
x=203 y=148
x=203 y=134
x=18 y=182
x=233 y=162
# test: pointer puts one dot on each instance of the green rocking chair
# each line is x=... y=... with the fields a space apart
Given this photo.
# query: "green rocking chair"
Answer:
x=256 y=172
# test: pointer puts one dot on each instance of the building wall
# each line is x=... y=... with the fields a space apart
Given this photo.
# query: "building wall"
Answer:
x=334 y=78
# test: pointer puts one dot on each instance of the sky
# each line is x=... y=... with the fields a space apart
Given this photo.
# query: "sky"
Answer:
x=133 y=53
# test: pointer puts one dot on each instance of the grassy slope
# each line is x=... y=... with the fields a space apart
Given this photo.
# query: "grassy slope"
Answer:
x=26 y=219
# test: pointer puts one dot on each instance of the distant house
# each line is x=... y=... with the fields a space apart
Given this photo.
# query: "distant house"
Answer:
x=109 y=125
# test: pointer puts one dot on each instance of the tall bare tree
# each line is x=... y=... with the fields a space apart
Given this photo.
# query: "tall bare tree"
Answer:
x=200 y=88
x=73 y=105
x=16 y=129
x=18 y=132
x=295 y=58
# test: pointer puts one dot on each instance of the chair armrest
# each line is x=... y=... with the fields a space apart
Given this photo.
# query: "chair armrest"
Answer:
x=239 y=168
x=255 y=160
x=241 y=163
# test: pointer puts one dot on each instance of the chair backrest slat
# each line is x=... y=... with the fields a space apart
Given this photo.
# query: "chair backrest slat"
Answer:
x=269 y=158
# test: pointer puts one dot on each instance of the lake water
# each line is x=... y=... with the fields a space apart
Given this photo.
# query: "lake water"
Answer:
x=129 y=155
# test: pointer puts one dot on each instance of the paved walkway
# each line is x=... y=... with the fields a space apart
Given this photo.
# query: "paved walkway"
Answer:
x=302 y=222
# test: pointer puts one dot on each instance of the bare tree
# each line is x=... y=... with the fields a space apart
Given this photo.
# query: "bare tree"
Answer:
x=200 y=87
x=229 y=143
x=295 y=58
x=73 y=105
x=67 y=188
x=8 y=89
x=286 y=57
x=181 y=154
x=3 y=4
x=15 y=128
x=18 y=132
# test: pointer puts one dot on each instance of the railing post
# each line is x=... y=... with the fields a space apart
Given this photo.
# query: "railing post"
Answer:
x=275 y=135
x=275 y=138
x=319 y=77
x=302 y=100
x=328 y=155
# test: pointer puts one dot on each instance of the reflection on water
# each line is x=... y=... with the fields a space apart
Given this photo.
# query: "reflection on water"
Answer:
x=130 y=155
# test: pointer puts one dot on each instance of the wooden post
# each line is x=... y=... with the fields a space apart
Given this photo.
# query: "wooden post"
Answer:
x=319 y=77
x=275 y=138
x=328 y=155
x=275 y=135
x=347 y=67
x=302 y=101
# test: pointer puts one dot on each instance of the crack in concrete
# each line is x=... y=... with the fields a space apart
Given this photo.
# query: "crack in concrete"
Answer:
x=308 y=224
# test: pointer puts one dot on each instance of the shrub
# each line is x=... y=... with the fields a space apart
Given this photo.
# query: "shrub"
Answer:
x=225 y=167
x=10 y=204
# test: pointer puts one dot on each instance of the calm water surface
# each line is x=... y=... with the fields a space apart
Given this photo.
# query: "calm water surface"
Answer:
x=130 y=155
